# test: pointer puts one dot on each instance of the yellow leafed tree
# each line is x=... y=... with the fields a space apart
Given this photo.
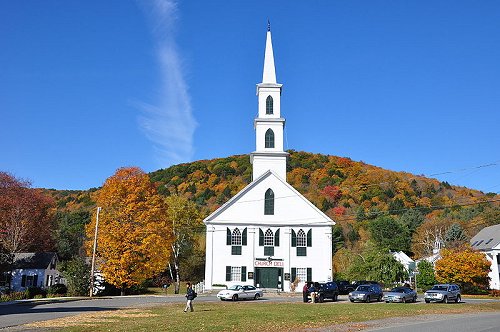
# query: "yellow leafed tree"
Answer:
x=135 y=235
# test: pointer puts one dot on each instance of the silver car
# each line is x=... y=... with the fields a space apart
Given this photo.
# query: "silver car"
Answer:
x=445 y=293
x=366 y=293
x=400 y=294
x=238 y=292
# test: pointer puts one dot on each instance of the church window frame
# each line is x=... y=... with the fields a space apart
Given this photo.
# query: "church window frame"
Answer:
x=236 y=242
x=269 y=202
x=235 y=273
x=269 y=105
x=301 y=243
x=269 y=243
x=269 y=139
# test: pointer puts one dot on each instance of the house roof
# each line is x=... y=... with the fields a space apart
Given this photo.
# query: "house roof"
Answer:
x=33 y=260
x=487 y=238
x=322 y=218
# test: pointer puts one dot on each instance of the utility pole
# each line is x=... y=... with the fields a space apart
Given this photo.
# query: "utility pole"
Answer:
x=93 y=253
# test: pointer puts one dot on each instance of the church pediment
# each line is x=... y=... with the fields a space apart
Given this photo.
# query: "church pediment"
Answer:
x=289 y=207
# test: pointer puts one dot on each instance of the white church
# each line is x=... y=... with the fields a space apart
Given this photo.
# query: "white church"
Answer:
x=268 y=235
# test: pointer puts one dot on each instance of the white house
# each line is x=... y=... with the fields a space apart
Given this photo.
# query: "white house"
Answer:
x=488 y=242
x=404 y=259
x=268 y=234
x=34 y=270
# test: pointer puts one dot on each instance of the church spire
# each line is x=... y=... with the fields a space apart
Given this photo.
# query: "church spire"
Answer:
x=269 y=74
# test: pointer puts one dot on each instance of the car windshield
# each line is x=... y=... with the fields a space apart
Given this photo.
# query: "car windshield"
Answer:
x=235 y=287
x=363 y=288
x=398 y=290
x=442 y=288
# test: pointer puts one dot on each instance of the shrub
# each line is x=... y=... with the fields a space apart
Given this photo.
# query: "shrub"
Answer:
x=31 y=292
x=495 y=293
x=59 y=289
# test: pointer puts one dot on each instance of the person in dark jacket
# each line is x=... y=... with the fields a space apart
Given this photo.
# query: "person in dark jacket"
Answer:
x=189 y=297
x=305 y=293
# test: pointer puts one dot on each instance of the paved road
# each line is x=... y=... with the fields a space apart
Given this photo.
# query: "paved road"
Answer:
x=19 y=313
x=485 y=322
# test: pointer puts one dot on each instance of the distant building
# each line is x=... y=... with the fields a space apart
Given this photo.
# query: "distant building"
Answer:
x=268 y=234
x=403 y=258
x=488 y=242
x=34 y=270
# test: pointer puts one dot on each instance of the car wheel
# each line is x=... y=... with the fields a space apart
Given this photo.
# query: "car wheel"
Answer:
x=335 y=297
x=415 y=299
x=351 y=300
x=445 y=300
x=256 y=297
x=222 y=299
x=427 y=301
x=235 y=297
x=368 y=300
x=379 y=299
x=404 y=299
x=458 y=299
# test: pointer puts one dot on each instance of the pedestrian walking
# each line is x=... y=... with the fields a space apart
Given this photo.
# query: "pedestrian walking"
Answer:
x=190 y=295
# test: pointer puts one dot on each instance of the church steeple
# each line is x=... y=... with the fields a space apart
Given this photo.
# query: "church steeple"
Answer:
x=269 y=153
x=269 y=74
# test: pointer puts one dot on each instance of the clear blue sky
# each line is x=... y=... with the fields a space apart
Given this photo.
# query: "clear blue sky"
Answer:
x=87 y=87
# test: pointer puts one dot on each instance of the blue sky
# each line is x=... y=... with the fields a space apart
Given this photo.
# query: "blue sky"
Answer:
x=87 y=87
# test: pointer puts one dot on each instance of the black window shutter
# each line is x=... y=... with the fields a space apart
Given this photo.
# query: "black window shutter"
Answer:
x=261 y=237
x=228 y=237
x=309 y=238
x=228 y=273
x=294 y=274
x=277 y=238
x=294 y=238
x=309 y=274
x=35 y=280
x=23 y=281
x=244 y=237
x=243 y=273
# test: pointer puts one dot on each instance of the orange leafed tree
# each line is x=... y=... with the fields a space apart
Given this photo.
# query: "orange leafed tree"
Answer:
x=135 y=235
x=465 y=266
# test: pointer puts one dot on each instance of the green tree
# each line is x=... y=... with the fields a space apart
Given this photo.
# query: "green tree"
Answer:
x=185 y=220
x=77 y=274
x=390 y=234
x=379 y=266
x=70 y=233
x=412 y=219
x=455 y=236
x=425 y=278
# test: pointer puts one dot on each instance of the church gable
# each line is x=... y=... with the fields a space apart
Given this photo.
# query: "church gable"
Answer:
x=269 y=200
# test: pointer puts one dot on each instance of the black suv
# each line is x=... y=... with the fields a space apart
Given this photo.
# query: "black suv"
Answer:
x=326 y=290
x=345 y=287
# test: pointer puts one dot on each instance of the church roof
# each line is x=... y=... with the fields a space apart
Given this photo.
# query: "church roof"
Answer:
x=317 y=217
x=487 y=238
x=269 y=73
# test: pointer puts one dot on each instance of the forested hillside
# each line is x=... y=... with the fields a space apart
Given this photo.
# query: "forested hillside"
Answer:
x=372 y=207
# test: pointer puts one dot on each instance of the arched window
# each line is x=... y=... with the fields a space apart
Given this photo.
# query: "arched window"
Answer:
x=236 y=237
x=269 y=202
x=301 y=238
x=269 y=105
x=269 y=139
x=269 y=238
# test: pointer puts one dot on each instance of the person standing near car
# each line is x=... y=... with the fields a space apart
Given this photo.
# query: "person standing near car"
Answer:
x=304 y=292
x=190 y=297
x=312 y=292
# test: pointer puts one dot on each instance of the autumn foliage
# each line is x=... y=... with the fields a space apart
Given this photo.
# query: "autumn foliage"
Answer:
x=465 y=266
x=135 y=236
x=25 y=216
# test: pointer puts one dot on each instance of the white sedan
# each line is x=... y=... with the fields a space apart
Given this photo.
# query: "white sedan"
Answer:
x=237 y=292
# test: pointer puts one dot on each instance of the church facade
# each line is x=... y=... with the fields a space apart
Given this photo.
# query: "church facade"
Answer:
x=268 y=235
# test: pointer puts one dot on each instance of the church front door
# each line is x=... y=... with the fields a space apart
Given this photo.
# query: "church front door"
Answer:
x=269 y=277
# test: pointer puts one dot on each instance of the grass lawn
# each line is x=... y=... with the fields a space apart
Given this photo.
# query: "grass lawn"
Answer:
x=248 y=316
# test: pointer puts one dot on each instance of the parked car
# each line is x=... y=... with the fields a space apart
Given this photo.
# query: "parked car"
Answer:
x=443 y=293
x=355 y=284
x=366 y=293
x=237 y=292
x=401 y=294
x=326 y=290
x=345 y=287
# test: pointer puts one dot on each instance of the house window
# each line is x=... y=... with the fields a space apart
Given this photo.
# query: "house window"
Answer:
x=269 y=238
x=236 y=242
x=301 y=243
x=269 y=202
x=269 y=105
x=302 y=274
x=29 y=281
x=269 y=139
x=236 y=273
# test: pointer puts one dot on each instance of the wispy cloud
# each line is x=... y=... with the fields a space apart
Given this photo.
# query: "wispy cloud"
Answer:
x=169 y=123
